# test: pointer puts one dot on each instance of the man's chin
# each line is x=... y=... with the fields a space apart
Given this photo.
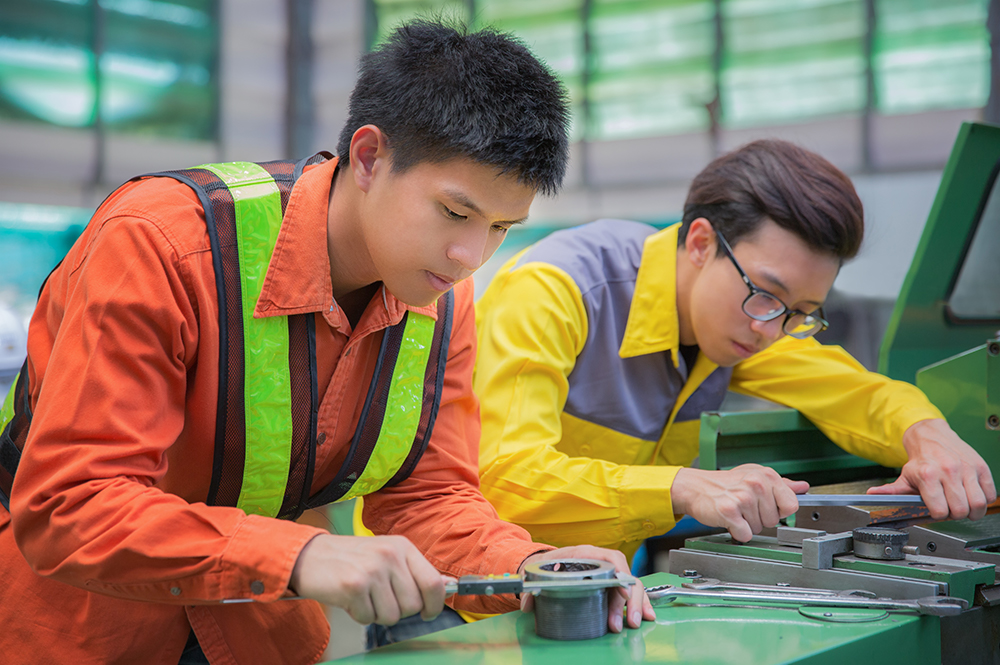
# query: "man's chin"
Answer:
x=417 y=299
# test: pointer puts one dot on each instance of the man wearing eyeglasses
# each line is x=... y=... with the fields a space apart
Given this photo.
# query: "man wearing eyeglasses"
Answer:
x=601 y=345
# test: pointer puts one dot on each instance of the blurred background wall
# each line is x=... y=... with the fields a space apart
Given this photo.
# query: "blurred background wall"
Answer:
x=95 y=91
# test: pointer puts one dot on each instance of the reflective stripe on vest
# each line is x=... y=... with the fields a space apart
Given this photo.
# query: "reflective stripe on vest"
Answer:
x=402 y=410
x=267 y=384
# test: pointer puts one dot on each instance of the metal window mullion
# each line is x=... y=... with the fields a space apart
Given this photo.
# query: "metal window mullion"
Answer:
x=867 y=155
x=97 y=44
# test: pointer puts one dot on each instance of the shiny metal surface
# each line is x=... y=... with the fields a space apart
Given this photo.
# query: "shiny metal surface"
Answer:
x=933 y=605
x=860 y=500
x=566 y=612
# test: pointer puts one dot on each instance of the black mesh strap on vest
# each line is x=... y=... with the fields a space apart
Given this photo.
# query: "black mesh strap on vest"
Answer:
x=230 y=423
x=14 y=435
x=373 y=412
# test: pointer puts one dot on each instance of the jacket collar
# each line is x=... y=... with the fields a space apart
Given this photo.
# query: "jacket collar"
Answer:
x=652 y=324
x=298 y=277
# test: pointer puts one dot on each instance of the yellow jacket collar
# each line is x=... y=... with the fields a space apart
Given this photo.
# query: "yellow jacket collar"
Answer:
x=652 y=319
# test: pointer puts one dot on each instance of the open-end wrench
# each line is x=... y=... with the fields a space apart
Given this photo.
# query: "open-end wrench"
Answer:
x=710 y=583
x=933 y=605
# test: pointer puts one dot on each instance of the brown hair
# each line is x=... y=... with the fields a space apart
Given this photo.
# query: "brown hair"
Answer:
x=770 y=179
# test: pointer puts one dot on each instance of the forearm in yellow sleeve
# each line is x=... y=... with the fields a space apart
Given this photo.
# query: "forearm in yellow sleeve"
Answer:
x=532 y=324
x=863 y=412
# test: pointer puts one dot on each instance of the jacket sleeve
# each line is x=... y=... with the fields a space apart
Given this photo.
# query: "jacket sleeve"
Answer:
x=439 y=507
x=114 y=337
x=532 y=325
x=863 y=412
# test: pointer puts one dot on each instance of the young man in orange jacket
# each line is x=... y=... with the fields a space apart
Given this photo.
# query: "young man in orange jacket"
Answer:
x=236 y=343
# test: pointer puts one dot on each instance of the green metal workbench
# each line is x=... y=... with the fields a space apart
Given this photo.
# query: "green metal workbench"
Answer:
x=681 y=634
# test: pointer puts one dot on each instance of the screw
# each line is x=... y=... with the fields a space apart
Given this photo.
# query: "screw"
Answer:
x=815 y=517
x=828 y=614
x=931 y=546
x=690 y=573
x=782 y=584
x=993 y=422
x=888 y=550
x=993 y=348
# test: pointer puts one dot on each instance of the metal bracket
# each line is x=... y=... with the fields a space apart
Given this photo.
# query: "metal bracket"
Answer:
x=818 y=552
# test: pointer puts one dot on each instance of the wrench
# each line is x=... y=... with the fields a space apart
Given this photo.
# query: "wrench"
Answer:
x=933 y=605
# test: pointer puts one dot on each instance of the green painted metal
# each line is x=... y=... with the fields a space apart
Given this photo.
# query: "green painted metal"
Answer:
x=966 y=388
x=682 y=633
x=961 y=583
x=782 y=439
x=920 y=332
x=267 y=386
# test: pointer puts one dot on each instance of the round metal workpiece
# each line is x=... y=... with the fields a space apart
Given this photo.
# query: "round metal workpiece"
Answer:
x=875 y=542
x=571 y=614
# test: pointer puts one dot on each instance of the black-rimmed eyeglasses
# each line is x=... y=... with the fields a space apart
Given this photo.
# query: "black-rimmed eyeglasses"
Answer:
x=762 y=306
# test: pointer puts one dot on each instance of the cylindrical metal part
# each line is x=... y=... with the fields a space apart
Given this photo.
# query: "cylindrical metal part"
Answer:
x=571 y=614
x=874 y=542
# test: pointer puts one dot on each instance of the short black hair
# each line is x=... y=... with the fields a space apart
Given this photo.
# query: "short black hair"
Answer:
x=438 y=92
x=770 y=179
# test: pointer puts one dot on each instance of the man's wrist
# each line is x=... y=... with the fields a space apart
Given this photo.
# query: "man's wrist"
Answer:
x=520 y=567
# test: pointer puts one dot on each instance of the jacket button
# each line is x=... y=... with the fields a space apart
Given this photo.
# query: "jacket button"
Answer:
x=321 y=439
x=257 y=587
x=585 y=449
x=175 y=590
x=648 y=526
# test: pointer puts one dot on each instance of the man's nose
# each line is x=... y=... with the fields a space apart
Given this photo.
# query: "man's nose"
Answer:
x=468 y=249
x=770 y=330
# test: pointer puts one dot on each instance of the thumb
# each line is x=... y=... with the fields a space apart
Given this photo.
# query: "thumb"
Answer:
x=899 y=486
x=527 y=602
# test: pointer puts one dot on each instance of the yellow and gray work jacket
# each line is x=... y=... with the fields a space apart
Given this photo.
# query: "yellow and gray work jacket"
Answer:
x=589 y=409
x=268 y=400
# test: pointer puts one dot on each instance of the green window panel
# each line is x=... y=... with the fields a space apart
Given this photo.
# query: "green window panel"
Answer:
x=930 y=54
x=651 y=67
x=788 y=61
x=156 y=66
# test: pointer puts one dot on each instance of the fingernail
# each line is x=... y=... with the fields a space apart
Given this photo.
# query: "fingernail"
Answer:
x=617 y=622
x=636 y=618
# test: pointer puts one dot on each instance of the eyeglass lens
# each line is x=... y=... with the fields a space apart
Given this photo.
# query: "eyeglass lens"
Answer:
x=763 y=307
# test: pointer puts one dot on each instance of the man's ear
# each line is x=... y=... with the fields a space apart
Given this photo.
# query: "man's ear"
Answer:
x=369 y=154
x=699 y=244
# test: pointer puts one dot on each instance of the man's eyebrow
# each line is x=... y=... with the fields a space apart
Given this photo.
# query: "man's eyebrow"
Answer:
x=768 y=277
x=464 y=201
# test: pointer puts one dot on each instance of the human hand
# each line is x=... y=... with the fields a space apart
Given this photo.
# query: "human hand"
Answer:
x=951 y=477
x=639 y=607
x=743 y=500
x=379 y=579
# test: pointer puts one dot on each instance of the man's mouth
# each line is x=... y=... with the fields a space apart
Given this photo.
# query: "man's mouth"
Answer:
x=440 y=282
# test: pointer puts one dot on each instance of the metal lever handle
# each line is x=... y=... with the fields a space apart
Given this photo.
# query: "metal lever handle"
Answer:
x=933 y=605
x=477 y=585
x=860 y=500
